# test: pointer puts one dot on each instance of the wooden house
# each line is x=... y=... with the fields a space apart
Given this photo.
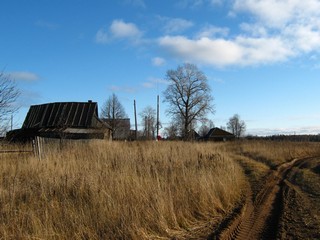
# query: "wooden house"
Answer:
x=69 y=120
x=218 y=134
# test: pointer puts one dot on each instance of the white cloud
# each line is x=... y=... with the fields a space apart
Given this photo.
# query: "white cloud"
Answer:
x=263 y=50
x=295 y=22
x=24 y=76
x=221 y=52
x=255 y=30
x=213 y=52
x=158 y=61
x=118 y=30
x=121 y=29
x=272 y=31
x=305 y=38
x=277 y=14
x=175 y=25
x=274 y=12
x=211 y=31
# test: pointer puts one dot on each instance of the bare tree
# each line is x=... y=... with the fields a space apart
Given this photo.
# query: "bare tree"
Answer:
x=236 y=125
x=9 y=94
x=113 y=112
x=172 y=131
x=205 y=127
x=188 y=95
x=149 y=122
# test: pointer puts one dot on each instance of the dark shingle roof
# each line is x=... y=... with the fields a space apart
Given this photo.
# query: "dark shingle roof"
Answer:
x=62 y=114
x=218 y=132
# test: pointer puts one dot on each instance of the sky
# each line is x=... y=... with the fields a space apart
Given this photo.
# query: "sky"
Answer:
x=261 y=57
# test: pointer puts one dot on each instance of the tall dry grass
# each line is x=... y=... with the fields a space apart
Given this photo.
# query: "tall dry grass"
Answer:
x=117 y=190
x=273 y=153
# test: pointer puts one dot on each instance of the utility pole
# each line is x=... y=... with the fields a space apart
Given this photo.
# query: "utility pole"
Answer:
x=146 y=128
x=157 y=116
x=135 y=119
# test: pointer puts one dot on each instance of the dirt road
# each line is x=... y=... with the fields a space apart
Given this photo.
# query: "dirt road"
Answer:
x=287 y=206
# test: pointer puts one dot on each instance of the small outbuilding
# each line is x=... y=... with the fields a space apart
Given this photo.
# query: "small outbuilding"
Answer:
x=64 y=120
x=121 y=128
x=218 y=134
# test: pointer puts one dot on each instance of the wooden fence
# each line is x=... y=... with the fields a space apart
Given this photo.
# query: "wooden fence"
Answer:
x=36 y=147
x=40 y=146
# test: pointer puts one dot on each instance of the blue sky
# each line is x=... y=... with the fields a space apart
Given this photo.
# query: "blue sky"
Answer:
x=261 y=58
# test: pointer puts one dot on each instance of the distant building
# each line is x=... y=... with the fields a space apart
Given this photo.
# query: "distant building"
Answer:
x=217 y=134
x=72 y=120
x=121 y=129
x=193 y=135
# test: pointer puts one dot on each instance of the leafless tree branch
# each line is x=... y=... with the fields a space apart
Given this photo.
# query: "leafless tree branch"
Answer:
x=9 y=93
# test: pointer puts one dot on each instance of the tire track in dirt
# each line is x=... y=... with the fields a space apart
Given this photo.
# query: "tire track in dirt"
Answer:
x=259 y=218
x=300 y=217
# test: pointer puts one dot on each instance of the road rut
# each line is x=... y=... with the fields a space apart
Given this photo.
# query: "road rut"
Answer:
x=260 y=215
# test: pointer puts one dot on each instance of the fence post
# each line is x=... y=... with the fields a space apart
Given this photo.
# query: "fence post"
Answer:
x=34 y=147
x=38 y=147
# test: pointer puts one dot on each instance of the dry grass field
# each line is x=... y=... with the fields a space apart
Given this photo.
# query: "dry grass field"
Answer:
x=117 y=190
x=135 y=190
